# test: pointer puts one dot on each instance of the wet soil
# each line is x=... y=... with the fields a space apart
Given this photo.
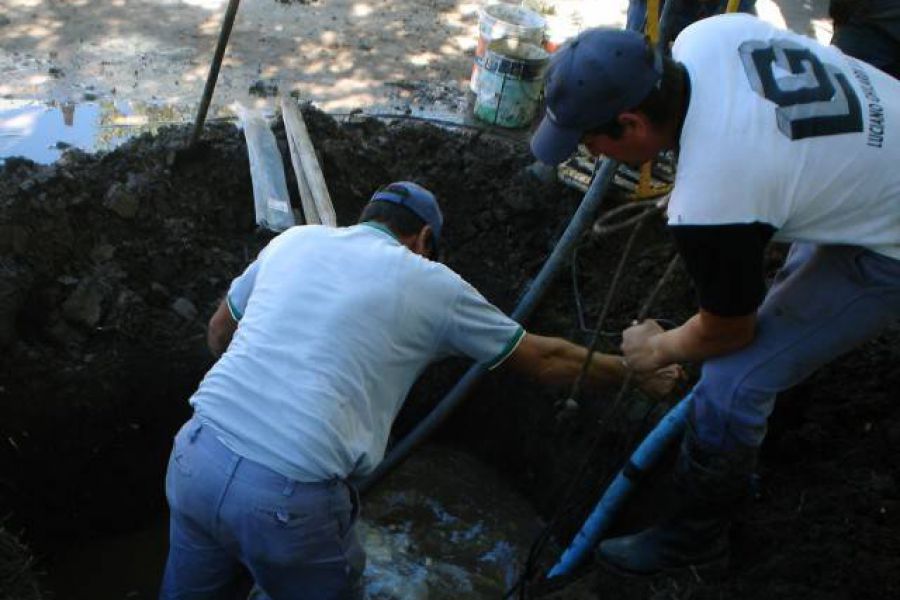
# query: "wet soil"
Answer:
x=111 y=264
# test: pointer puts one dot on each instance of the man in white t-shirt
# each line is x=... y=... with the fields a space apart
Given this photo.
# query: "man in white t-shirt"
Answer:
x=778 y=137
x=320 y=340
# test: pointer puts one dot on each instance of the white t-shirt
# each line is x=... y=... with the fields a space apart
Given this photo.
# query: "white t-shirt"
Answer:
x=334 y=326
x=783 y=131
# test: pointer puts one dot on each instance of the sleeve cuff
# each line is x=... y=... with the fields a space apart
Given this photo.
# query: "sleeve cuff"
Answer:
x=510 y=347
x=235 y=313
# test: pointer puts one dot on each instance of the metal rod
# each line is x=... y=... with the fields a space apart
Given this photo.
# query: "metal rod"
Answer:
x=210 y=87
x=581 y=220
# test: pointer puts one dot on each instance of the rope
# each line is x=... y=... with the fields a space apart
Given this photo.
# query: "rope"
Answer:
x=540 y=542
x=610 y=294
x=645 y=310
x=601 y=228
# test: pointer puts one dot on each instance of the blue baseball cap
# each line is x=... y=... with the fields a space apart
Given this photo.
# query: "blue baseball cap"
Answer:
x=589 y=82
x=417 y=199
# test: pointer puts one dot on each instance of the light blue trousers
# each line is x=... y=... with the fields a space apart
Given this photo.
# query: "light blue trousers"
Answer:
x=825 y=301
x=298 y=540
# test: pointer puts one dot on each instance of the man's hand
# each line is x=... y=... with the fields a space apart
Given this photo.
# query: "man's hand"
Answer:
x=660 y=383
x=640 y=355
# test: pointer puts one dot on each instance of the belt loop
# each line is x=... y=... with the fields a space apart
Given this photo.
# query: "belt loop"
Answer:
x=354 y=500
x=197 y=425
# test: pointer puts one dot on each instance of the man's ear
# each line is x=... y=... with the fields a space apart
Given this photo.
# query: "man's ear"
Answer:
x=422 y=245
x=635 y=123
x=632 y=122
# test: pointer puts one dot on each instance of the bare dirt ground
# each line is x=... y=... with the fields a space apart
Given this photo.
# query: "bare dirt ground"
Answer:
x=341 y=54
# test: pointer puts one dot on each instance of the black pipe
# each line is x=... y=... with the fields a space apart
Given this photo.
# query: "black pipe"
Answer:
x=581 y=220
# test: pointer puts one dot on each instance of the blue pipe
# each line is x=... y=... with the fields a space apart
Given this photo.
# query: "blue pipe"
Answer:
x=581 y=220
x=668 y=430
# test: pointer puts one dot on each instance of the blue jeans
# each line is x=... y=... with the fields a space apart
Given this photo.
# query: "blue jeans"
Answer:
x=825 y=301
x=298 y=540
x=683 y=13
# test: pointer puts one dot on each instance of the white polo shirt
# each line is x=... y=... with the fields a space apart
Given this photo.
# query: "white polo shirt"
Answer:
x=334 y=327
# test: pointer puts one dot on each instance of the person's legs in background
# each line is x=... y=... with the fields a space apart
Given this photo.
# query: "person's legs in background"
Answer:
x=869 y=44
x=681 y=14
x=869 y=31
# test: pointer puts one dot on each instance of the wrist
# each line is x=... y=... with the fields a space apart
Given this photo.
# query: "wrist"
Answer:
x=608 y=368
x=660 y=351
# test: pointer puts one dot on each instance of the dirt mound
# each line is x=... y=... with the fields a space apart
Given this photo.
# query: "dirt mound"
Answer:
x=17 y=579
x=110 y=266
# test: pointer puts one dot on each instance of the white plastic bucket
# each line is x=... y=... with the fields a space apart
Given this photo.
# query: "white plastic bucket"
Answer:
x=496 y=21
x=510 y=83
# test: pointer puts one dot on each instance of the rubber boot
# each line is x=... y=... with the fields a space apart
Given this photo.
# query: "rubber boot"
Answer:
x=711 y=486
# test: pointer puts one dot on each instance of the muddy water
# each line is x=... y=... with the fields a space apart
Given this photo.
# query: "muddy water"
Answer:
x=41 y=132
x=442 y=526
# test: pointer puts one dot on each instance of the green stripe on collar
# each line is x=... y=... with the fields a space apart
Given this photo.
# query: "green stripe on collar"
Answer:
x=381 y=227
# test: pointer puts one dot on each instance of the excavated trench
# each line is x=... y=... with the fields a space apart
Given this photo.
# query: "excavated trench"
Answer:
x=110 y=266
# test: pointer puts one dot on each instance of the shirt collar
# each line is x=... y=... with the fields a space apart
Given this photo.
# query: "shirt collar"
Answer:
x=382 y=228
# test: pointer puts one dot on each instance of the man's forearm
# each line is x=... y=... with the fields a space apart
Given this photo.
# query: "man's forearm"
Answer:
x=699 y=339
x=558 y=361
x=606 y=369
x=553 y=360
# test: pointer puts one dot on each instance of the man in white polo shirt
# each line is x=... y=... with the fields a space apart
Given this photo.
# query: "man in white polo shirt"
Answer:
x=320 y=340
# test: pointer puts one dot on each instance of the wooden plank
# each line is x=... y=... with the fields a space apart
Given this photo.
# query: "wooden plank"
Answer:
x=290 y=111
x=308 y=171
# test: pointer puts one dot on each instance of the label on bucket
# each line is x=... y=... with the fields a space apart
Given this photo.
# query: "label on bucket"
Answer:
x=523 y=62
x=505 y=21
x=510 y=83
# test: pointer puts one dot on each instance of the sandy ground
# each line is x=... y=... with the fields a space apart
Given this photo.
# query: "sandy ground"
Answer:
x=342 y=54
x=89 y=73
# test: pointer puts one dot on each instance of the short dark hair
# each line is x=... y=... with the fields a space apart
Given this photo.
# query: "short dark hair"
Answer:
x=660 y=105
x=400 y=219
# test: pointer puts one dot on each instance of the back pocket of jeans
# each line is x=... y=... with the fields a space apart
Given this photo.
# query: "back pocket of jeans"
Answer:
x=282 y=517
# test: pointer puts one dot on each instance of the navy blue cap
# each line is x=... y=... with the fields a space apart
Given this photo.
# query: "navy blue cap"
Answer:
x=590 y=81
x=417 y=199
